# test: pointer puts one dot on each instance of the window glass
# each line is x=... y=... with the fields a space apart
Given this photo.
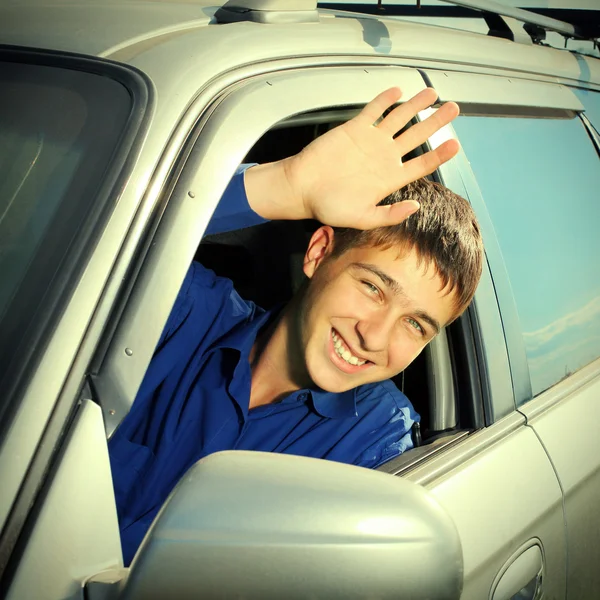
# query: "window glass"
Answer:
x=59 y=129
x=540 y=180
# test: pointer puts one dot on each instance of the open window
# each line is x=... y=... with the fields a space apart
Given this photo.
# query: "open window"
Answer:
x=288 y=110
x=265 y=264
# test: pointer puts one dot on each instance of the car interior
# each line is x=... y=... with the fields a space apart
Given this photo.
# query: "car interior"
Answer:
x=265 y=264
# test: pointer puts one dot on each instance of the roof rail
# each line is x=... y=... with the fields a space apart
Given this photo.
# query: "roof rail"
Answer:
x=268 y=11
x=502 y=20
x=525 y=16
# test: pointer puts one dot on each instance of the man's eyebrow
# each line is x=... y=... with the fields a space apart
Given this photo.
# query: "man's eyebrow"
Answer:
x=389 y=281
x=430 y=320
x=396 y=288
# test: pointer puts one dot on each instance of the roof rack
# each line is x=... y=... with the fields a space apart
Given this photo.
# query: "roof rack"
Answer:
x=499 y=17
x=524 y=16
x=503 y=21
x=268 y=11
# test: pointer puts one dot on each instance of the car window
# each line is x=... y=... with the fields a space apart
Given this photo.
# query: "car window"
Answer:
x=265 y=264
x=59 y=129
x=540 y=180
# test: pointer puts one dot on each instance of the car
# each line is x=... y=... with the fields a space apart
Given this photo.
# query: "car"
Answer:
x=121 y=124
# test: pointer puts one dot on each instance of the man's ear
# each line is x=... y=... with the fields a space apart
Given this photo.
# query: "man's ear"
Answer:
x=320 y=245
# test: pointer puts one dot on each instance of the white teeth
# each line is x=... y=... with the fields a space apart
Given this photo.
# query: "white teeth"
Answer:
x=344 y=353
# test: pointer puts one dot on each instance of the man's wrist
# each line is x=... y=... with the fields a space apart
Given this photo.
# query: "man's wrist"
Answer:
x=273 y=192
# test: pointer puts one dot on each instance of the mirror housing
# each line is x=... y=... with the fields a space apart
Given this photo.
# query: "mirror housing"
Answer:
x=261 y=525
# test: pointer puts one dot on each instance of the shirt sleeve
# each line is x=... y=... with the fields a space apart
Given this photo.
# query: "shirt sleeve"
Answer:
x=233 y=211
x=202 y=295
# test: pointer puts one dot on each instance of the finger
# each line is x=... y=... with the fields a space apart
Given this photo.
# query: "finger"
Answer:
x=402 y=114
x=418 y=134
x=427 y=163
x=384 y=216
x=374 y=109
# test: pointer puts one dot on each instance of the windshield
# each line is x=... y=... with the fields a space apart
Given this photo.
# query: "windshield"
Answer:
x=59 y=129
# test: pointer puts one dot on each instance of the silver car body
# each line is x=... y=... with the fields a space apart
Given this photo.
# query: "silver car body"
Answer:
x=523 y=490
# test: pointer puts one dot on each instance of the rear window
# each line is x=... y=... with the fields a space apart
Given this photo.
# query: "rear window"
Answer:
x=60 y=128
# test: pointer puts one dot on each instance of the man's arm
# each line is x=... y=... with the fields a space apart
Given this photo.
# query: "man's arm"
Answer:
x=233 y=211
x=341 y=176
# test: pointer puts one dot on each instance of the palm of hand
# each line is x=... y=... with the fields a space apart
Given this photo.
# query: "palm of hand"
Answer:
x=350 y=169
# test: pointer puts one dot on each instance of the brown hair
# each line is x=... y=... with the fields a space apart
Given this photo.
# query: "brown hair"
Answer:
x=444 y=231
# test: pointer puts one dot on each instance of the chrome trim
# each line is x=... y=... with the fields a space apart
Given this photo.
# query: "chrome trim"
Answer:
x=441 y=463
x=415 y=457
x=561 y=390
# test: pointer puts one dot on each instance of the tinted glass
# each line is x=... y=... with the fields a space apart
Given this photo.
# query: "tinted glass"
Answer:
x=59 y=129
x=541 y=183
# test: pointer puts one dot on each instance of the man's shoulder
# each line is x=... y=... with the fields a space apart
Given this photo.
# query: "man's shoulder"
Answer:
x=200 y=279
x=386 y=415
x=380 y=394
x=207 y=307
x=380 y=389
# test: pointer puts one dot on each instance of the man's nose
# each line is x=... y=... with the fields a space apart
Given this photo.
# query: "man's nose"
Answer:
x=374 y=333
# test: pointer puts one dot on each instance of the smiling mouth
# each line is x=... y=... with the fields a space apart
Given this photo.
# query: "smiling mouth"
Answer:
x=345 y=355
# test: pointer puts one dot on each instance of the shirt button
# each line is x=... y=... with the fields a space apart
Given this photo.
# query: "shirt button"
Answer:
x=302 y=397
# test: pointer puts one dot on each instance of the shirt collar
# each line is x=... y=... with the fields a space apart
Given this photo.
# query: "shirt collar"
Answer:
x=242 y=337
x=335 y=405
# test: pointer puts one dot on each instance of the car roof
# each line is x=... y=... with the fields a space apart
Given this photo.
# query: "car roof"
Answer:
x=185 y=53
x=177 y=35
x=97 y=27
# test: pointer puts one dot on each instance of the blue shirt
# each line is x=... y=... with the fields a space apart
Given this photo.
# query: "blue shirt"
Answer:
x=195 y=395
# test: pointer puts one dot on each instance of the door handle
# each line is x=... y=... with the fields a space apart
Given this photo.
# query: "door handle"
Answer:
x=521 y=576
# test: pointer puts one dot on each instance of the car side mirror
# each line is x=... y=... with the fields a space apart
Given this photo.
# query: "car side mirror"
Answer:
x=260 y=525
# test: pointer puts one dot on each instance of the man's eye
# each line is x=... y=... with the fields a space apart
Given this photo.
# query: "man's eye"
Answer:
x=372 y=289
x=416 y=325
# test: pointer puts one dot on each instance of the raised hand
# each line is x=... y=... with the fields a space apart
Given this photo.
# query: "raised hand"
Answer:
x=340 y=177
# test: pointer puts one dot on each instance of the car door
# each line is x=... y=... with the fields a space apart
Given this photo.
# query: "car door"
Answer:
x=546 y=217
x=510 y=520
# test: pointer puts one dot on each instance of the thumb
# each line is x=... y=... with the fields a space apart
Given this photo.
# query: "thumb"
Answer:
x=393 y=214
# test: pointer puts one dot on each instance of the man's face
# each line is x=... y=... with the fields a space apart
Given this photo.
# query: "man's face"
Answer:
x=367 y=314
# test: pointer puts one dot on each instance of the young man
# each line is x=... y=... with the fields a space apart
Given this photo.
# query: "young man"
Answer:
x=313 y=378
